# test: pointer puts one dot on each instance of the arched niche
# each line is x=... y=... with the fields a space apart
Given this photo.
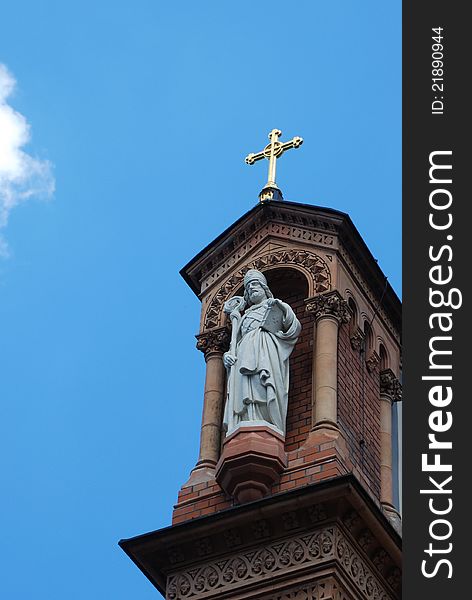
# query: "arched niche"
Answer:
x=354 y=321
x=284 y=283
x=384 y=362
x=368 y=337
x=310 y=266
x=292 y=286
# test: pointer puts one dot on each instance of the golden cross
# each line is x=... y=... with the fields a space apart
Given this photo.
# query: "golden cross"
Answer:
x=272 y=152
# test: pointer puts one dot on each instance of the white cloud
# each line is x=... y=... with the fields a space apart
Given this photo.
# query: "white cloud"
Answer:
x=21 y=175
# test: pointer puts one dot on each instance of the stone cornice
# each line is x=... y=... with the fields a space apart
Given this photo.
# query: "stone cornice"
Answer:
x=322 y=227
x=291 y=556
x=390 y=386
x=333 y=525
x=299 y=221
x=329 y=304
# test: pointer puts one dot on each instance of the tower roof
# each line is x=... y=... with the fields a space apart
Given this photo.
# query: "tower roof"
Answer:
x=326 y=221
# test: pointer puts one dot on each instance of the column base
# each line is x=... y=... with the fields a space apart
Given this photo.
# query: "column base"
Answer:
x=328 y=447
x=201 y=473
x=324 y=433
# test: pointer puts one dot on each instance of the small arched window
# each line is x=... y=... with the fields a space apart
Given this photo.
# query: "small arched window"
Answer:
x=384 y=362
x=355 y=316
x=368 y=337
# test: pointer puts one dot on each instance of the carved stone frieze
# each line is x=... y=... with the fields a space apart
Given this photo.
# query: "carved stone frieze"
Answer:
x=263 y=562
x=352 y=520
x=365 y=539
x=232 y=537
x=290 y=520
x=261 y=529
x=249 y=239
x=323 y=589
x=394 y=578
x=271 y=223
x=267 y=563
x=311 y=264
x=390 y=386
x=176 y=556
x=203 y=546
x=317 y=513
x=363 y=576
x=381 y=559
x=216 y=340
x=330 y=304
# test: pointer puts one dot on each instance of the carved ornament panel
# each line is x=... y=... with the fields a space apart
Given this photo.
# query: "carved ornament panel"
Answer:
x=249 y=240
x=311 y=264
x=303 y=553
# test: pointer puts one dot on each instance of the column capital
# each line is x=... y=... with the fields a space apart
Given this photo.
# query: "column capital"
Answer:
x=215 y=340
x=372 y=361
x=329 y=304
x=357 y=339
x=390 y=386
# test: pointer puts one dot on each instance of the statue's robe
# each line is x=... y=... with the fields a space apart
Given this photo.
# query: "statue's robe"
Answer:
x=258 y=381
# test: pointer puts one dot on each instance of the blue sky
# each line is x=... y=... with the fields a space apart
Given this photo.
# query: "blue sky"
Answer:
x=144 y=113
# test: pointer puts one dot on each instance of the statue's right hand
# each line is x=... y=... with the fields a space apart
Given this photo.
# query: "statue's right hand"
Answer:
x=228 y=360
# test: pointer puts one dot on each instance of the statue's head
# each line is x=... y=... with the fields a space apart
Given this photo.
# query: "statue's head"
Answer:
x=256 y=289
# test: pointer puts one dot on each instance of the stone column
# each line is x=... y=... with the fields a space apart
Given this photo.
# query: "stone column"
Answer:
x=390 y=392
x=329 y=311
x=213 y=344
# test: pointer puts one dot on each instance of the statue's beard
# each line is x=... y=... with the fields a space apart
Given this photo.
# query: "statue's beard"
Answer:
x=257 y=298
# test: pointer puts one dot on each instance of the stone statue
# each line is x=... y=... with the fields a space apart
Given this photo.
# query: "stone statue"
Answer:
x=262 y=340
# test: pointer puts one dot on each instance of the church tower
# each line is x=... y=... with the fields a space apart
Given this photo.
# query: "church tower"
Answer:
x=302 y=508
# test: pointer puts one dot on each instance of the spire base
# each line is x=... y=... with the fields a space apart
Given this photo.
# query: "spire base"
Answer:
x=271 y=192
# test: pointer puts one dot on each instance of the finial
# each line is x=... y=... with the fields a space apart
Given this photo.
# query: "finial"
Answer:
x=272 y=152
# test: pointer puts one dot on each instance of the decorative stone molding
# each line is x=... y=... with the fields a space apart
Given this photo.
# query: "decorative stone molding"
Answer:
x=357 y=340
x=363 y=285
x=261 y=529
x=372 y=362
x=352 y=520
x=176 y=556
x=365 y=539
x=290 y=520
x=330 y=304
x=356 y=567
x=232 y=537
x=203 y=547
x=293 y=228
x=216 y=340
x=381 y=559
x=311 y=264
x=390 y=386
x=252 y=553
x=326 y=588
x=276 y=560
x=394 y=578
x=317 y=513
x=263 y=562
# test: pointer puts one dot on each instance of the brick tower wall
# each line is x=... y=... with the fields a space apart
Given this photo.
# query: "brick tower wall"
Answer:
x=359 y=411
x=291 y=287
